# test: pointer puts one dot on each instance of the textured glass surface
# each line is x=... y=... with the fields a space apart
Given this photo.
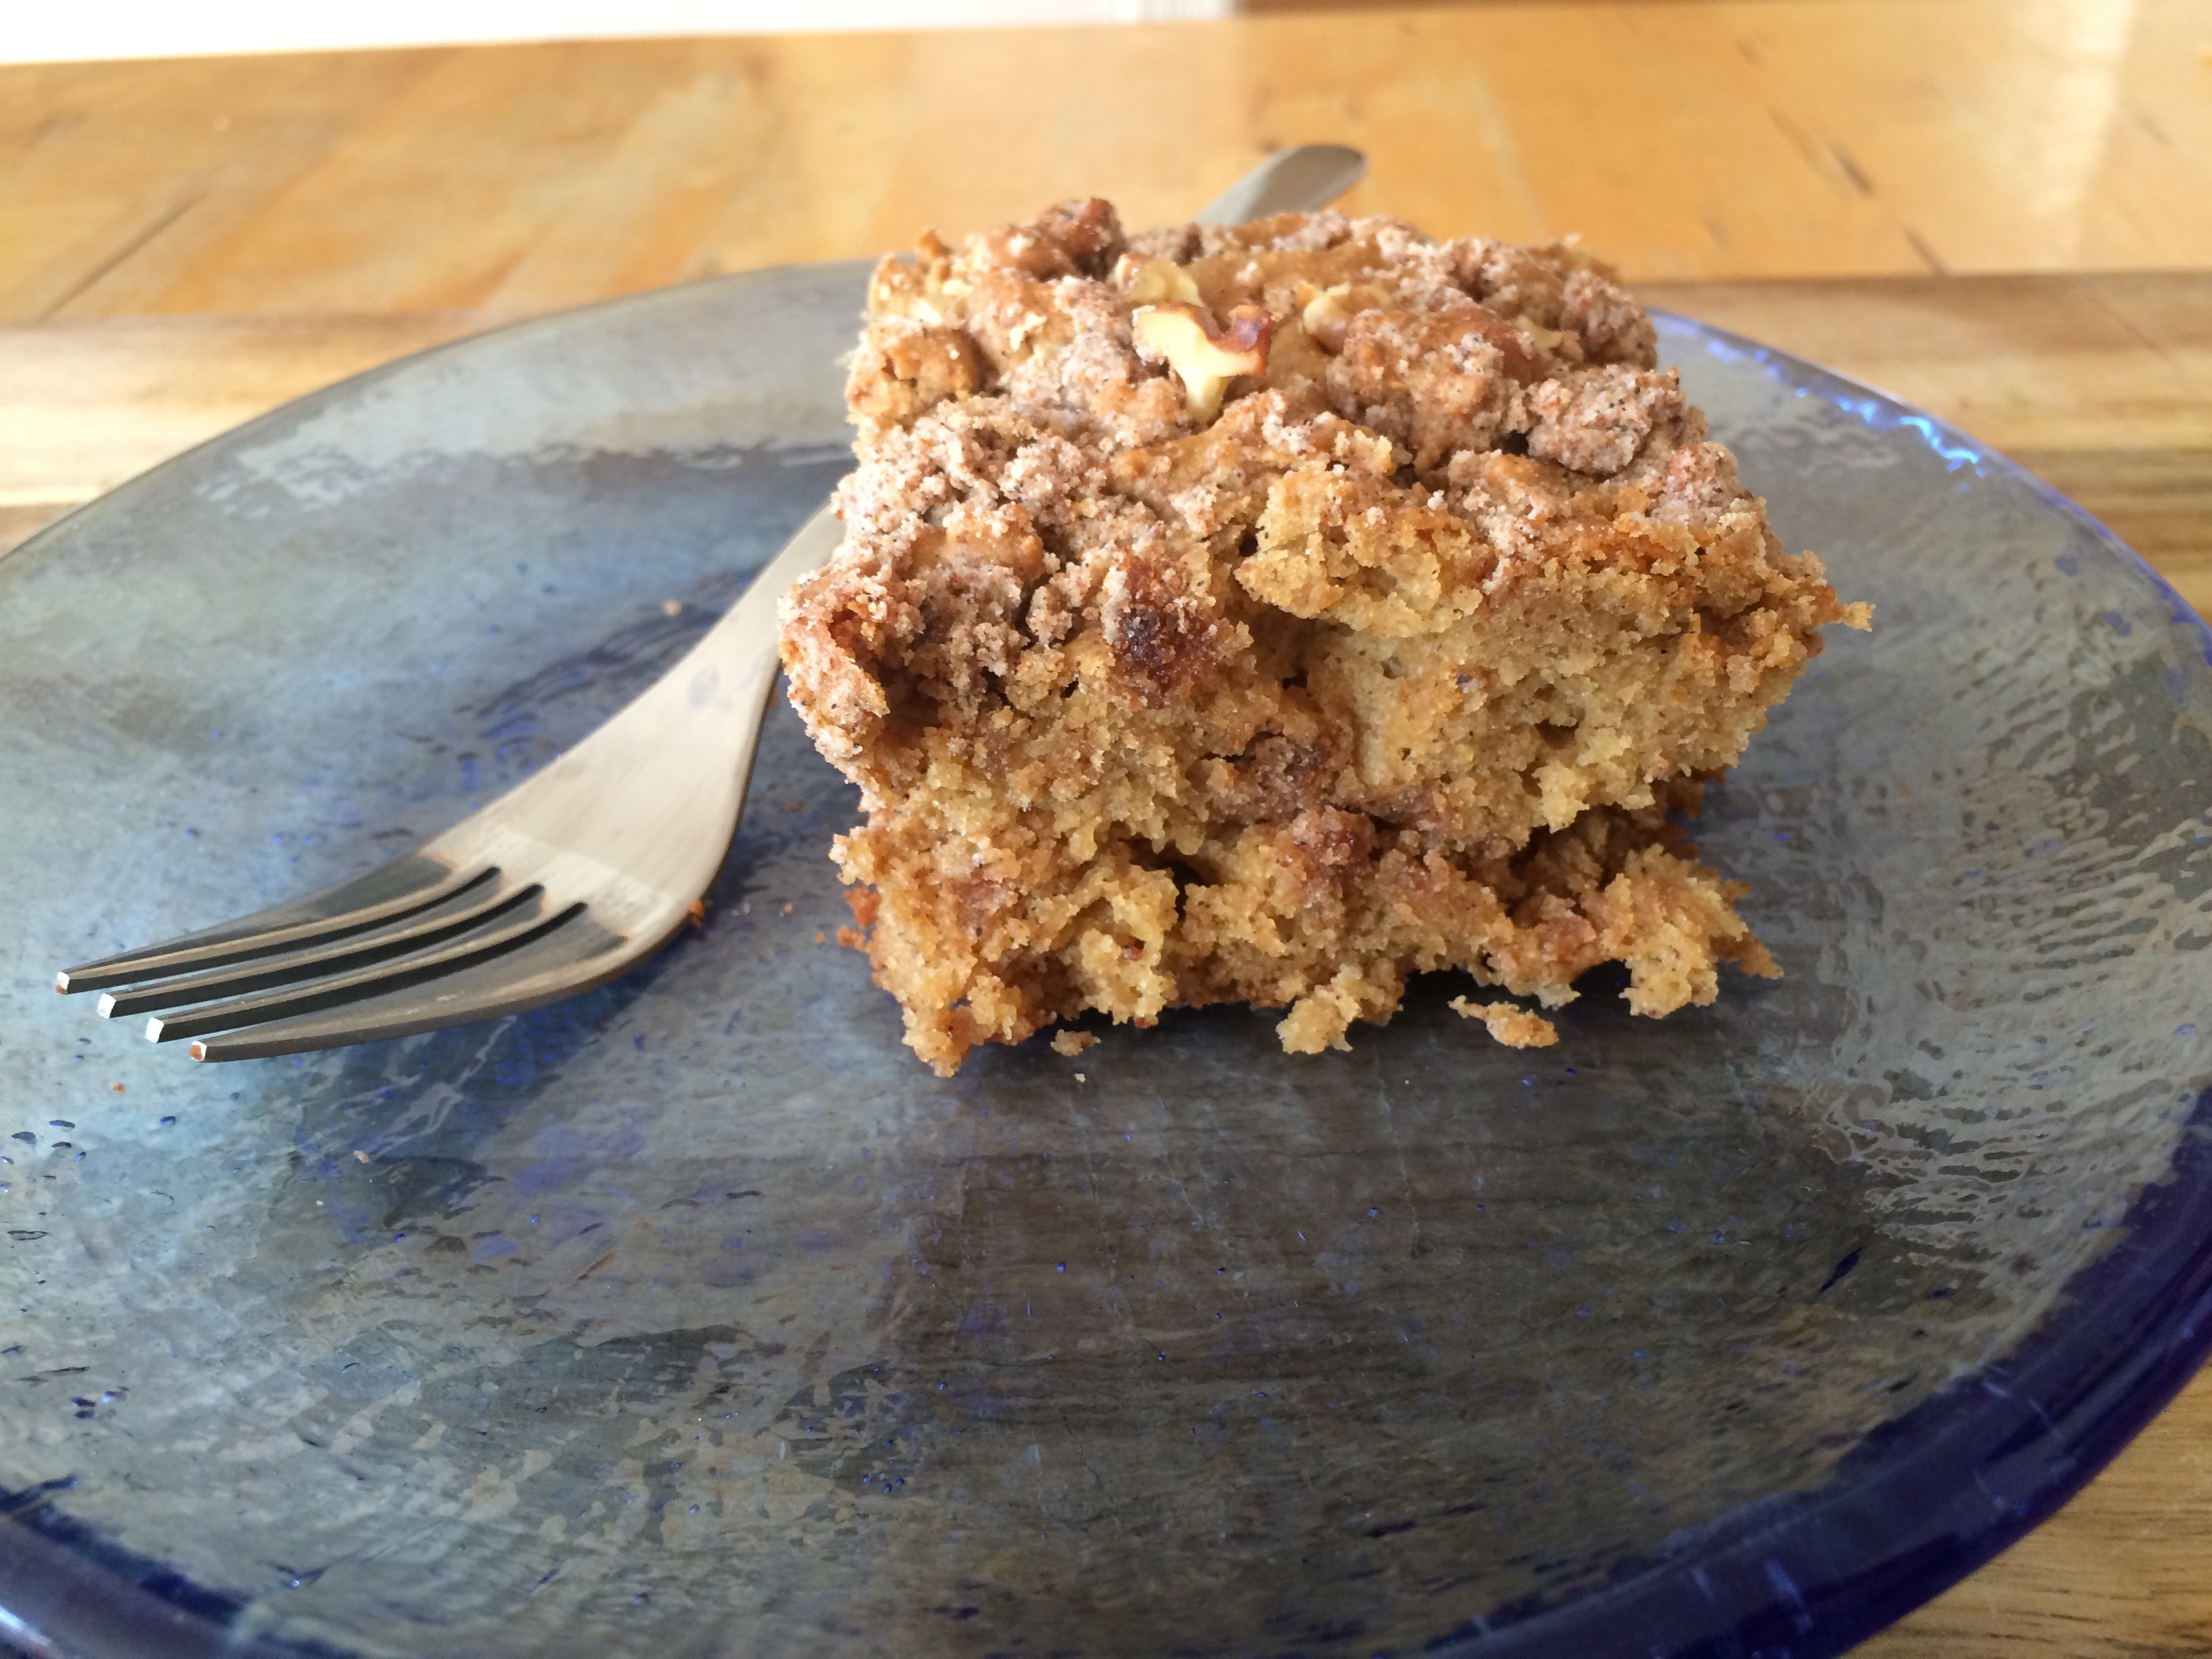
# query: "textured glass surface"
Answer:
x=695 y=1316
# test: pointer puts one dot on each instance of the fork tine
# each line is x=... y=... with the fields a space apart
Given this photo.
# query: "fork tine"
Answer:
x=495 y=938
x=558 y=963
x=418 y=930
x=409 y=882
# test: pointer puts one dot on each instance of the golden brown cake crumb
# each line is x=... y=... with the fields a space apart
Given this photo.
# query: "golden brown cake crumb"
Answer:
x=1265 y=614
x=1072 y=1043
x=1510 y=1023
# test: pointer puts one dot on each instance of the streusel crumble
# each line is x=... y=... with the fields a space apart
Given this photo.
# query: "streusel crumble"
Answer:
x=1265 y=614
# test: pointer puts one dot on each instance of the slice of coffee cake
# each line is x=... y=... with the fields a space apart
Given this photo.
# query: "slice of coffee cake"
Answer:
x=1264 y=614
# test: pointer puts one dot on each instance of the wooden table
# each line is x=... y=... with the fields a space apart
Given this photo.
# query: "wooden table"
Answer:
x=2003 y=212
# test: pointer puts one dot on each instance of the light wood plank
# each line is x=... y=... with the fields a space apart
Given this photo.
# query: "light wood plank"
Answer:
x=1700 y=139
x=117 y=179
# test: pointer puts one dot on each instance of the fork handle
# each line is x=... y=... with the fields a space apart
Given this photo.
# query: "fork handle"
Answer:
x=732 y=669
x=680 y=756
x=1304 y=178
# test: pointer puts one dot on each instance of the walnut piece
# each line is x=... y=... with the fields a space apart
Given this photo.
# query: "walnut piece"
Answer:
x=1326 y=312
x=1145 y=281
x=1205 y=360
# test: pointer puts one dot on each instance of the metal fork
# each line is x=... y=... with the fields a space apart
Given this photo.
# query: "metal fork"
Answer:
x=570 y=878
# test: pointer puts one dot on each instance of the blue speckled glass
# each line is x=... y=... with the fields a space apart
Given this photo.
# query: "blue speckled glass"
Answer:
x=693 y=1316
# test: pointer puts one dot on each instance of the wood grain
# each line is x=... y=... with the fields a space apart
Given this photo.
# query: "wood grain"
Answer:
x=1699 y=139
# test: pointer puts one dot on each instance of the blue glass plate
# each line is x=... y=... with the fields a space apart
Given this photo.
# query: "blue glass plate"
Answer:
x=694 y=1317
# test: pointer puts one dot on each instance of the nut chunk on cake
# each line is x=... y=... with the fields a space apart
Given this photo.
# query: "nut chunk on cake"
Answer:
x=1265 y=614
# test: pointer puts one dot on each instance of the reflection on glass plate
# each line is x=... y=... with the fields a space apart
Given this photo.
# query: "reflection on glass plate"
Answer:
x=695 y=1316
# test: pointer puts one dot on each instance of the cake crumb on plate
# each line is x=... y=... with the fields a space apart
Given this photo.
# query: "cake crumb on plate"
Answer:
x=1510 y=1023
